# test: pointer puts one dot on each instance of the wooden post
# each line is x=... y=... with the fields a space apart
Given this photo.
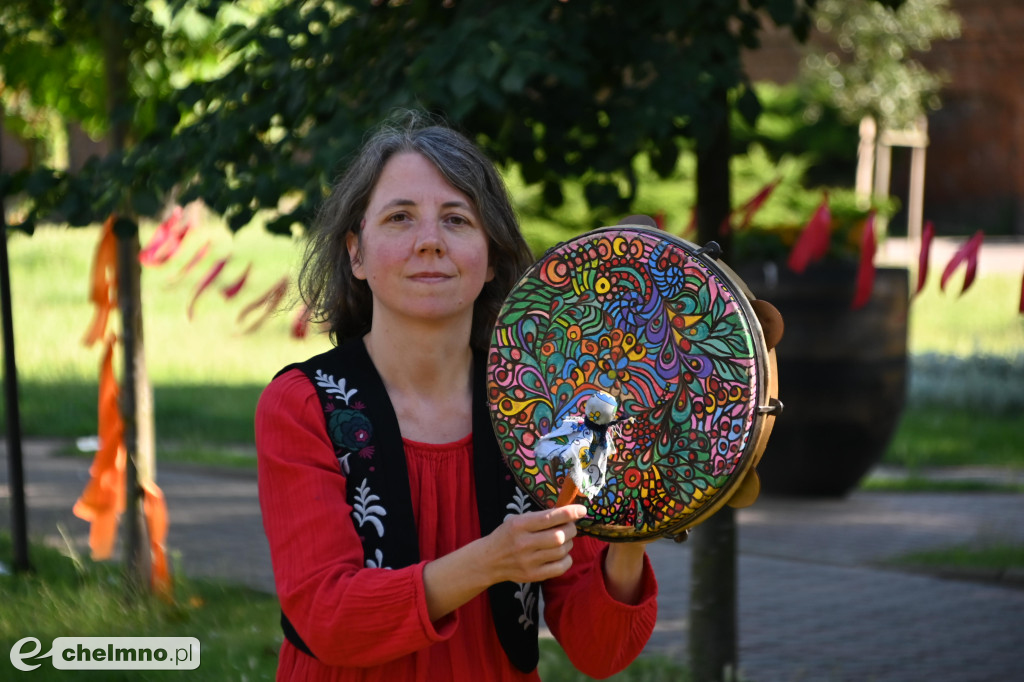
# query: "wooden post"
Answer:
x=915 y=137
x=15 y=468
x=915 y=200
x=866 y=160
x=883 y=174
x=713 y=603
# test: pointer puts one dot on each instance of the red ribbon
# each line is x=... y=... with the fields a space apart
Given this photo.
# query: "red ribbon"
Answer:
x=866 y=268
x=923 y=258
x=192 y=262
x=205 y=282
x=166 y=240
x=268 y=301
x=968 y=254
x=232 y=289
x=812 y=245
x=1022 y=295
x=300 y=324
x=754 y=205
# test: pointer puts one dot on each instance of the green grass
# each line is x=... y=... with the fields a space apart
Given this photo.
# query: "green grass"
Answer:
x=237 y=628
x=983 y=321
x=967 y=377
x=937 y=436
x=207 y=374
x=994 y=558
x=555 y=667
x=915 y=483
x=50 y=281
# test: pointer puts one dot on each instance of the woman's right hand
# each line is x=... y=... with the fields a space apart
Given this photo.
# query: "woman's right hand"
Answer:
x=534 y=546
x=525 y=548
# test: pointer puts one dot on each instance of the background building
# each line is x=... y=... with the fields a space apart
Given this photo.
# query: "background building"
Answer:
x=975 y=162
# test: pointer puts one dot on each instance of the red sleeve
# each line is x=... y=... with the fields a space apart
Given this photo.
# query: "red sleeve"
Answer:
x=345 y=613
x=601 y=636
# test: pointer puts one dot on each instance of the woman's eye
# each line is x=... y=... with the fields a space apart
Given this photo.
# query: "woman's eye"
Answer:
x=458 y=220
x=398 y=217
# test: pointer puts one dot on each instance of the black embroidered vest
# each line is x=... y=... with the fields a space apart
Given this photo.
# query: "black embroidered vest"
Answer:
x=362 y=425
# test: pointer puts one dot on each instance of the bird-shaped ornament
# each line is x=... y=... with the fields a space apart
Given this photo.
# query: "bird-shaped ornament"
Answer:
x=583 y=444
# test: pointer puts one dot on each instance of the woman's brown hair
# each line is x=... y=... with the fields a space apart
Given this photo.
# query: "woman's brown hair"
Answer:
x=326 y=282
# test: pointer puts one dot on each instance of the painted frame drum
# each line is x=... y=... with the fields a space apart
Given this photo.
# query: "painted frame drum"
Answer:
x=677 y=337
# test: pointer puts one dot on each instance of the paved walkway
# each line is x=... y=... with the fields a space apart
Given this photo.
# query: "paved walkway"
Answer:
x=815 y=601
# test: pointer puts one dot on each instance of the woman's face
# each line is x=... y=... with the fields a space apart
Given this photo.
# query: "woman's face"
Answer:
x=422 y=248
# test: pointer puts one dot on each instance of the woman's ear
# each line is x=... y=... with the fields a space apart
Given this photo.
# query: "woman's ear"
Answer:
x=354 y=254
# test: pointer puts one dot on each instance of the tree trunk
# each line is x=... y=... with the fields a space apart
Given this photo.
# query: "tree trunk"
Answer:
x=136 y=410
x=136 y=395
x=713 y=582
x=714 y=193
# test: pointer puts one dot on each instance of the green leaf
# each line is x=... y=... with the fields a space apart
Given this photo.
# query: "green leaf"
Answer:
x=601 y=194
x=146 y=203
x=553 y=196
x=664 y=158
x=464 y=80
x=782 y=12
x=236 y=221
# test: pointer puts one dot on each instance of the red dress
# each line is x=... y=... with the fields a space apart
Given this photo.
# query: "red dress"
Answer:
x=372 y=624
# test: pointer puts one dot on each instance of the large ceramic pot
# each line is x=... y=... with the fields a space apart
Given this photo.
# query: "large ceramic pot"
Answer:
x=842 y=375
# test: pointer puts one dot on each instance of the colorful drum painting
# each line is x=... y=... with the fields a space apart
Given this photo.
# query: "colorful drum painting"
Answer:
x=647 y=317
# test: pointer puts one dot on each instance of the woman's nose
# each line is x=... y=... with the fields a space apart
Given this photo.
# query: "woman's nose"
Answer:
x=429 y=238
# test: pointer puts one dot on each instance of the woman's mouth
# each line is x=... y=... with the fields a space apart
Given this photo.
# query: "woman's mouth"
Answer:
x=429 y=277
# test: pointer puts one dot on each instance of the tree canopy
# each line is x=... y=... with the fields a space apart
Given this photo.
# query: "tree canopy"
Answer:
x=869 y=68
x=563 y=90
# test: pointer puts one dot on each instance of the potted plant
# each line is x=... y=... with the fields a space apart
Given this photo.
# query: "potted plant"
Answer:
x=843 y=359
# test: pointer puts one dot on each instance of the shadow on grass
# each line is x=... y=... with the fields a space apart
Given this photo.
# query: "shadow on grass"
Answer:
x=237 y=627
x=187 y=414
x=73 y=597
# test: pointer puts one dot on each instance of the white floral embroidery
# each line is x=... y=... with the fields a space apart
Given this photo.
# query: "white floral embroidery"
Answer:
x=377 y=561
x=520 y=503
x=327 y=382
x=343 y=463
x=365 y=511
x=527 y=592
x=527 y=596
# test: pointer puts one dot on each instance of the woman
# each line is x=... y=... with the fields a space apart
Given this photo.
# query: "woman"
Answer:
x=401 y=548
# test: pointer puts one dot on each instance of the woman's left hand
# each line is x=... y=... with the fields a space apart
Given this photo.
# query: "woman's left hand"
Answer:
x=623 y=570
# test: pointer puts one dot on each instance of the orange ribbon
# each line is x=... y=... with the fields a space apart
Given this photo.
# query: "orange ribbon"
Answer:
x=103 y=292
x=155 y=509
x=103 y=499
